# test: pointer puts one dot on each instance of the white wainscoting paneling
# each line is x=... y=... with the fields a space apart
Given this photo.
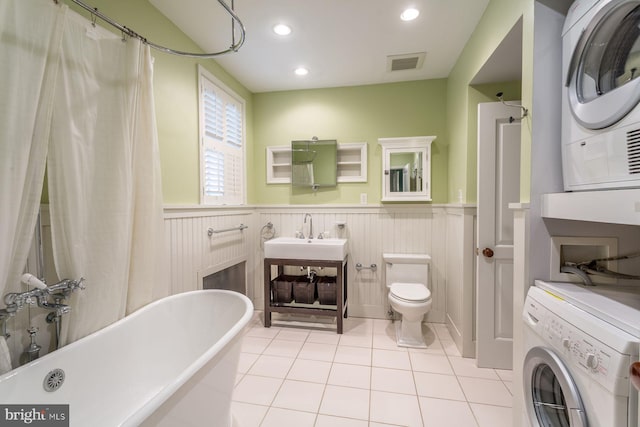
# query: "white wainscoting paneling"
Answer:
x=460 y=273
x=372 y=231
x=445 y=233
x=193 y=254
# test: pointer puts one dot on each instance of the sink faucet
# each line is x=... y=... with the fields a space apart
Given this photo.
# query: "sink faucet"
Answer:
x=310 y=236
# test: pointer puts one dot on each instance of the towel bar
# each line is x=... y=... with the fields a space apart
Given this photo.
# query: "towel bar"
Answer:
x=211 y=231
x=372 y=267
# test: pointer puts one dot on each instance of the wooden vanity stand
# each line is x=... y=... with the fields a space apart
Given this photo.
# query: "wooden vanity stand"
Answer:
x=339 y=311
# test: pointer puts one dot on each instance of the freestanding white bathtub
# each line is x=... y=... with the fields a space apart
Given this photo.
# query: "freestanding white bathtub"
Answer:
x=171 y=363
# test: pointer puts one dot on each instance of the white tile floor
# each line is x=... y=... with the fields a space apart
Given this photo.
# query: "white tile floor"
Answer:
x=296 y=374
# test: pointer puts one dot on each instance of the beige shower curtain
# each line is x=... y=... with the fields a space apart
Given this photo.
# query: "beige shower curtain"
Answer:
x=104 y=180
x=30 y=34
x=84 y=96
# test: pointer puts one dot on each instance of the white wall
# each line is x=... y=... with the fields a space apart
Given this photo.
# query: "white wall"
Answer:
x=460 y=272
x=371 y=231
x=444 y=232
x=533 y=232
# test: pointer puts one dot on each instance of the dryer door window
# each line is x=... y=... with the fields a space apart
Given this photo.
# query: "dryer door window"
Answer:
x=603 y=73
x=551 y=397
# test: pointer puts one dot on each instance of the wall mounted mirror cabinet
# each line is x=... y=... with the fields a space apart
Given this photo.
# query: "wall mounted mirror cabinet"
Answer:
x=406 y=169
x=314 y=163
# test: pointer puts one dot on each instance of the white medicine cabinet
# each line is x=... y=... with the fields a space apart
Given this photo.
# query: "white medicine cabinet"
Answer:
x=406 y=169
x=351 y=163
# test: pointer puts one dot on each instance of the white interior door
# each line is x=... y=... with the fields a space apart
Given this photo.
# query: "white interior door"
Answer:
x=498 y=185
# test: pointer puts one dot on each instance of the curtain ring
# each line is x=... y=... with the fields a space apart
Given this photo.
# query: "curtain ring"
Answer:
x=94 y=18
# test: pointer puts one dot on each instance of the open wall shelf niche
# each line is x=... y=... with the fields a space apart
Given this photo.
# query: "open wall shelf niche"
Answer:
x=352 y=163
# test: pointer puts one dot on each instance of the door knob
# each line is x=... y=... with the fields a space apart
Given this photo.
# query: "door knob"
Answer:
x=635 y=375
x=487 y=252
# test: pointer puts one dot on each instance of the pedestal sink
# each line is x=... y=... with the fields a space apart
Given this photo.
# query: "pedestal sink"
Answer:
x=309 y=249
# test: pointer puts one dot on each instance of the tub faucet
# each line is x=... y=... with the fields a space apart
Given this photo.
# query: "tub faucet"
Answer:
x=57 y=307
x=60 y=291
x=16 y=301
x=310 y=236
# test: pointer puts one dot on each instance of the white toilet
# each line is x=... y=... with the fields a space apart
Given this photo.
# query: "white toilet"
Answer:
x=406 y=279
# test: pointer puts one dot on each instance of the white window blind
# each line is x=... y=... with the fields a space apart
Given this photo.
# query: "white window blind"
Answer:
x=222 y=143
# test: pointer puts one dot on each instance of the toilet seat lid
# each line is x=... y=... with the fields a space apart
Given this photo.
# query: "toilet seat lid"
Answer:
x=416 y=292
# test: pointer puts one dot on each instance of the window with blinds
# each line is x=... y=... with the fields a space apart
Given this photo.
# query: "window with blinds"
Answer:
x=222 y=143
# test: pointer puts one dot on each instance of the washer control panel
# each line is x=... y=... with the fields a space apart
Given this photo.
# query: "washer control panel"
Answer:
x=578 y=349
x=591 y=355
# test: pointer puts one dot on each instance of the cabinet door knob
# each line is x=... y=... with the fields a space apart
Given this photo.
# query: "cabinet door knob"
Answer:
x=487 y=252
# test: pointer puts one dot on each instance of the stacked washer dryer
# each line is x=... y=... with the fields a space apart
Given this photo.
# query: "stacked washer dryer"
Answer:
x=600 y=111
x=579 y=344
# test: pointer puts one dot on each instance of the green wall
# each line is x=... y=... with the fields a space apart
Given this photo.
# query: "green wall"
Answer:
x=176 y=97
x=350 y=114
x=444 y=107
x=498 y=19
x=478 y=94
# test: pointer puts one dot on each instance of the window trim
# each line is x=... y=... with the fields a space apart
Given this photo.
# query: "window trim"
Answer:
x=207 y=78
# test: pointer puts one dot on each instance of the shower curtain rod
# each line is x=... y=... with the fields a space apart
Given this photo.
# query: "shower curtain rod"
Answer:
x=129 y=32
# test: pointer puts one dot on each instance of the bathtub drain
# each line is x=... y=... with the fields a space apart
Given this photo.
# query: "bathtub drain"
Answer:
x=53 y=380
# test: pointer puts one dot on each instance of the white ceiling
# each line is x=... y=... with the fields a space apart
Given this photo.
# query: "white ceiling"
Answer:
x=342 y=42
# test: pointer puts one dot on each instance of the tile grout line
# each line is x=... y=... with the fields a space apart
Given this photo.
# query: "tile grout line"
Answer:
x=370 y=334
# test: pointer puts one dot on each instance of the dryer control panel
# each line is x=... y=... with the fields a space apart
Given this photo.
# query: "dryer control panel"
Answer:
x=555 y=321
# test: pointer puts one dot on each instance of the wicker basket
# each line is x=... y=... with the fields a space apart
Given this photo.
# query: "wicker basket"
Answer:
x=282 y=288
x=304 y=291
x=327 y=290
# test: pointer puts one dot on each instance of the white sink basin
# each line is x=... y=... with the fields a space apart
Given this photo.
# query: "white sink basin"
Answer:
x=311 y=249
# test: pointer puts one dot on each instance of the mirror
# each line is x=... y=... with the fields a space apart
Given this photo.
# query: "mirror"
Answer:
x=314 y=163
x=405 y=172
x=406 y=169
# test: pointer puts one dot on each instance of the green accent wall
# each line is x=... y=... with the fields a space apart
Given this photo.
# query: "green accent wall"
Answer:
x=478 y=94
x=445 y=108
x=349 y=114
x=498 y=19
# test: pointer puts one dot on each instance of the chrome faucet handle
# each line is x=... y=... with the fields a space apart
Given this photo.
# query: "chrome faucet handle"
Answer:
x=31 y=280
x=10 y=299
x=72 y=285
x=15 y=301
x=66 y=286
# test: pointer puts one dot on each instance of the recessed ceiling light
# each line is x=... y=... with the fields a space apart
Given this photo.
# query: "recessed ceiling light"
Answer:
x=409 y=14
x=282 y=30
x=301 y=71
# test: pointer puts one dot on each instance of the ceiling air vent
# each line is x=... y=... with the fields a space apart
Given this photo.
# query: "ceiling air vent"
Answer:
x=409 y=61
x=633 y=151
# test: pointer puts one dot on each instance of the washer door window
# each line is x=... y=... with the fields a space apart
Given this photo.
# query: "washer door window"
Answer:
x=551 y=396
x=603 y=73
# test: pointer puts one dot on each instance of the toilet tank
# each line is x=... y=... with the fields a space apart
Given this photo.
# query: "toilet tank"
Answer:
x=406 y=268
